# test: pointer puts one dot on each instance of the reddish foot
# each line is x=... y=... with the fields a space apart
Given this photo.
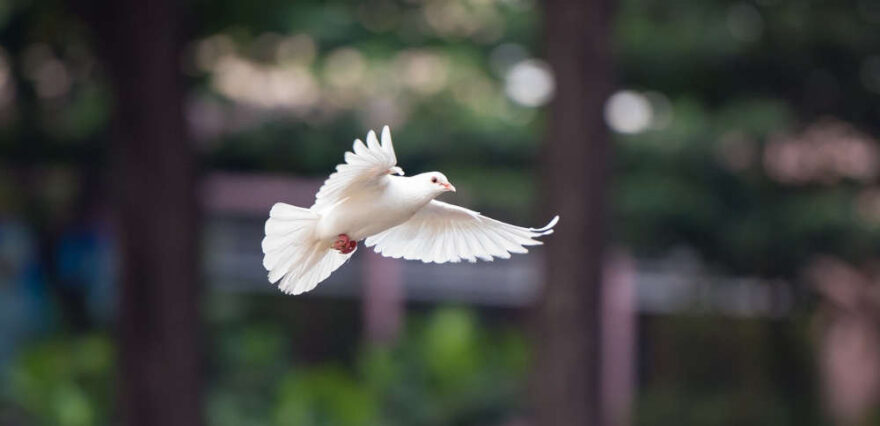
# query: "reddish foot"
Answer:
x=344 y=244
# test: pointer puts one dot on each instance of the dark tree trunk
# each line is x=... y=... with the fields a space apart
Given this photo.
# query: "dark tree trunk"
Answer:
x=153 y=175
x=566 y=381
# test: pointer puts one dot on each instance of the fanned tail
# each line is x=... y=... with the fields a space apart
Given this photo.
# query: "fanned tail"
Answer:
x=295 y=259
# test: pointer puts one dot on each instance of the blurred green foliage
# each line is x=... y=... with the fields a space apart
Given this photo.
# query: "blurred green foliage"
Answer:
x=64 y=381
x=447 y=369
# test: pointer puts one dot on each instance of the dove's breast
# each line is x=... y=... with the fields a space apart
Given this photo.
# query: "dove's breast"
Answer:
x=367 y=214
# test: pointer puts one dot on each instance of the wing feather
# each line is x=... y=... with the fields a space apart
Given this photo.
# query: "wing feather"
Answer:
x=469 y=251
x=442 y=232
x=480 y=249
x=365 y=166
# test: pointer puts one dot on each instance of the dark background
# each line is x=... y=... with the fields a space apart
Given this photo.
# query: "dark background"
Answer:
x=715 y=164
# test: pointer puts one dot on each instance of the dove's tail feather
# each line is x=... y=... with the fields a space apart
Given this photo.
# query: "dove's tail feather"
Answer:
x=292 y=252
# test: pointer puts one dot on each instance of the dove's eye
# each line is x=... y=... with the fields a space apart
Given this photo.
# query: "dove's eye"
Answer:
x=434 y=179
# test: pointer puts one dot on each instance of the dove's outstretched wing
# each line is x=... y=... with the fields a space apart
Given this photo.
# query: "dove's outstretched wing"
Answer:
x=367 y=166
x=441 y=232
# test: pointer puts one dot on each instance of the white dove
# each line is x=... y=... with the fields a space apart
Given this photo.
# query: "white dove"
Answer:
x=364 y=199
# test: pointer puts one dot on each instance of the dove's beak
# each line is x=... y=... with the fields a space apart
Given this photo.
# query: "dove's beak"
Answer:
x=449 y=187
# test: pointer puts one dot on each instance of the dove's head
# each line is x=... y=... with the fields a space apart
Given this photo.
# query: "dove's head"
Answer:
x=435 y=182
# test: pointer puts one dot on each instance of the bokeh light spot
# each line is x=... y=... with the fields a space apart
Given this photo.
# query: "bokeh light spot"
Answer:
x=530 y=83
x=628 y=112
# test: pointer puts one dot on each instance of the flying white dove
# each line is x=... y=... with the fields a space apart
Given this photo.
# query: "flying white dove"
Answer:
x=369 y=198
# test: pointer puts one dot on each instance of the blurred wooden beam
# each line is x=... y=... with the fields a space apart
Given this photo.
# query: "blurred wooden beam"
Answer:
x=383 y=298
x=566 y=381
x=153 y=175
x=619 y=338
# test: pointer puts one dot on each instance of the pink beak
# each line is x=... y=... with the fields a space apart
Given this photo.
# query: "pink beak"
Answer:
x=449 y=187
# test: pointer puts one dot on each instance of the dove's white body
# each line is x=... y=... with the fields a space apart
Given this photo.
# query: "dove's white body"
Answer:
x=391 y=202
x=396 y=215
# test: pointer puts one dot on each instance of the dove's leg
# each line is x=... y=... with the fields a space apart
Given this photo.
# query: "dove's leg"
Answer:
x=341 y=242
x=344 y=244
x=350 y=248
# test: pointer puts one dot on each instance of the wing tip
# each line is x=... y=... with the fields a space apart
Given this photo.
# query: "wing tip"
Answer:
x=548 y=228
x=387 y=145
x=372 y=140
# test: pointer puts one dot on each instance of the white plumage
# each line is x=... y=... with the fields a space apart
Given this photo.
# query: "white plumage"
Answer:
x=397 y=215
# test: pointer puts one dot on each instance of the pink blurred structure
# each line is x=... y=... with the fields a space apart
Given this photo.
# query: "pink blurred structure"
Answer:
x=849 y=339
x=619 y=328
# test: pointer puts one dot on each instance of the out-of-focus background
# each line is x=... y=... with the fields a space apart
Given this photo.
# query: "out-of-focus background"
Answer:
x=715 y=163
